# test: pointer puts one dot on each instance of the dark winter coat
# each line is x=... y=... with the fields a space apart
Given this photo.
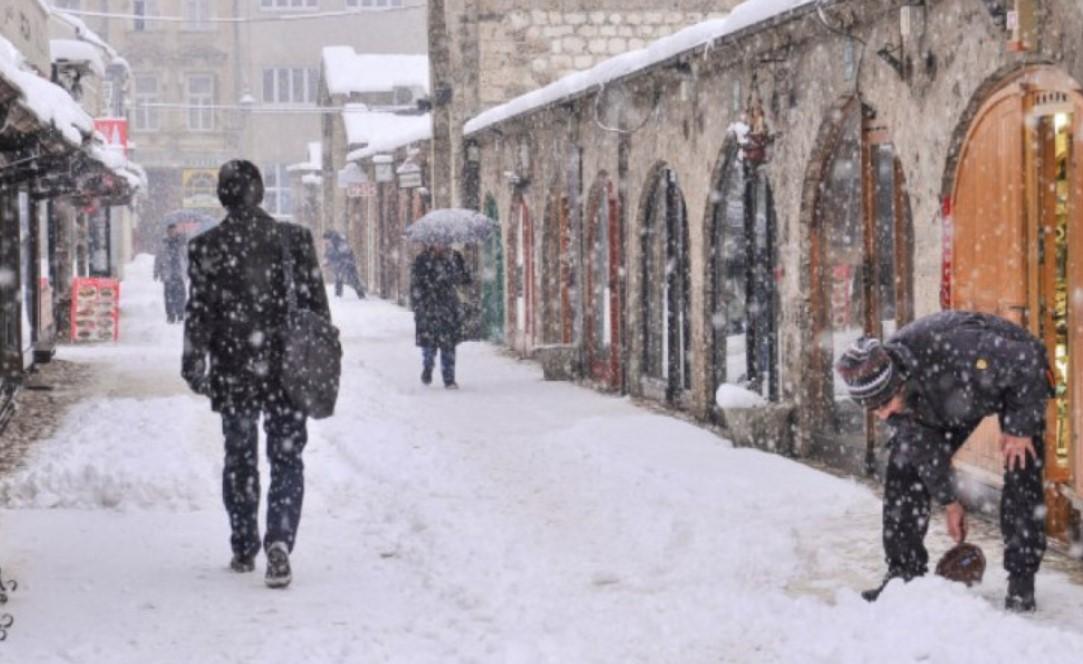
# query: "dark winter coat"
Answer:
x=433 y=280
x=237 y=306
x=171 y=261
x=962 y=367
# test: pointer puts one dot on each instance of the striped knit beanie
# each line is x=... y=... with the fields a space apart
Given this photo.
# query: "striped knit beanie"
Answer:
x=870 y=373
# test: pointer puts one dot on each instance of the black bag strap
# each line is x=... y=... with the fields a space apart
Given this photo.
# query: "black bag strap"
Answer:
x=288 y=269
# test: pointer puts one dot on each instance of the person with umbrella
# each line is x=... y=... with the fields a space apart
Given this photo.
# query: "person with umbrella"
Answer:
x=341 y=260
x=434 y=277
x=171 y=268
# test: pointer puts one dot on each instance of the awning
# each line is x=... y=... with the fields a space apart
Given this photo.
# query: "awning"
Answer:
x=35 y=105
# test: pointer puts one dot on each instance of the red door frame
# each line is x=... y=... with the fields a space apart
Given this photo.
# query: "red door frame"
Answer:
x=605 y=369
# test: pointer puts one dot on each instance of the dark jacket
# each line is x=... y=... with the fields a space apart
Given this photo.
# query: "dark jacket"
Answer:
x=171 y=261
x=962 y=367
x=433 y=280
x=338 y=252
x=237 y=306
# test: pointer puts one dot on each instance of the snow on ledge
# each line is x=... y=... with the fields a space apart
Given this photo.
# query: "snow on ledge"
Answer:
x=421 y=131
x=346 y=71
x=76 y=51
x=46 y=101
x=737 y=397
x=742 y=16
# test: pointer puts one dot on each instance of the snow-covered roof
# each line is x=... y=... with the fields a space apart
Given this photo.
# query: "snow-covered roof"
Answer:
x=312 y=179
x=421 y=131
x=314 y=161
x=742 y=16
x=113 y=158
x=347 y=71
x=83 y=33
x=46 y=101
x=364 y=127
x=79 y=52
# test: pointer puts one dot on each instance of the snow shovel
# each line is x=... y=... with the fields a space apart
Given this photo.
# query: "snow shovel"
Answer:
x=964 y=563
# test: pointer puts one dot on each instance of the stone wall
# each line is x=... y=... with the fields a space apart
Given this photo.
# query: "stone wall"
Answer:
x=523 y=49
x=678 y=116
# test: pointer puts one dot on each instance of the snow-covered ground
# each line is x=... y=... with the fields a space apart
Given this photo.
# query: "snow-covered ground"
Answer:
x=513 y=521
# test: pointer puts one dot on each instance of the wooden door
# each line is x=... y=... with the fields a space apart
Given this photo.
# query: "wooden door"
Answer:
x=990 y=248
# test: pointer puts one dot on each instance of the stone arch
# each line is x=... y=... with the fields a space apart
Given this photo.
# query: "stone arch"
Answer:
x=741 y=304
x=860 y=277
x=665 y=269
x=603 y=264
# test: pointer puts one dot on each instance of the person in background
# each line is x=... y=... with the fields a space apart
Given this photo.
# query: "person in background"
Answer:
x=933 y=382
x=343 y=263
x=233 y=354
x=434 y=277
x=171 y=268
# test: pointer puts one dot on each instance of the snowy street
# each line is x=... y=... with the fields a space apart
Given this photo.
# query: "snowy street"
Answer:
x=514 y=521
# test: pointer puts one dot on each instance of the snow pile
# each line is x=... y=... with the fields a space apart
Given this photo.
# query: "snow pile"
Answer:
x=314 y=161
x=406 y=135
x=347 y=72
x=514 y=521
x=49 y=103
x=742 y=16
x=80 y=52
x=364 y=127
x=737 y=397
x=119 y=454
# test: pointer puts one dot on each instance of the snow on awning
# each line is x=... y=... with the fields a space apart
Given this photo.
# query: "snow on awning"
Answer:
x=422 y=131
x=45 y=101
x=364 y=127
x=77 y=52
x=347 y=71
x=742 y=16
x=314 y=162
x=312 y=179
x=85 y=34
x=115 y=163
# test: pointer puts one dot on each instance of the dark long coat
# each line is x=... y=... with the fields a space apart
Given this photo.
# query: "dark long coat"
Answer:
x=171 y=261
x=237 y=306
x=433 y=280
x=962 y=367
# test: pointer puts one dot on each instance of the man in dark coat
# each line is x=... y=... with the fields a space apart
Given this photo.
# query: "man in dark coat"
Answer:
x=233 y=354
x=436 y=273
x=933 y=382
x=171 y=267
x=343 y=263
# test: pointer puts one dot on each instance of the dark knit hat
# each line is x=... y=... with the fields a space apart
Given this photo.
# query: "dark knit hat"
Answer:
x=870 y=373
x=240 y=184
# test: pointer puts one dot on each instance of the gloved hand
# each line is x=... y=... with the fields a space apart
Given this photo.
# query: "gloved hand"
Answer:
x=194 y=373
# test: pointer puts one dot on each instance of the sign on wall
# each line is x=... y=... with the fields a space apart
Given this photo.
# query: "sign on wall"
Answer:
x=115 y=131
x=200 y=188
x=95 y=309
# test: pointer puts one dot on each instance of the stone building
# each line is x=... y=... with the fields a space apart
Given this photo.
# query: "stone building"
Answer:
x=500 y=49
x=728 y=208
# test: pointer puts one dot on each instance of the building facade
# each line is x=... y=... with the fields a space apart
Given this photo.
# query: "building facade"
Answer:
x=213 y=81
x=59 y=179
x=708 y=224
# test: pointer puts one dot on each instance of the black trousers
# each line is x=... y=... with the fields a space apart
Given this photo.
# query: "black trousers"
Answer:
x=176 y=296
x=286 y=437
x=907 y=510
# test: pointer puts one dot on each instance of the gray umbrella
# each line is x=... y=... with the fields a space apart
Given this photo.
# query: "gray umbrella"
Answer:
x=451 y=226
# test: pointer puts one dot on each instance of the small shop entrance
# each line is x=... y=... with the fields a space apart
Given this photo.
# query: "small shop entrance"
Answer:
x=861 y=268
x=1016 y=251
